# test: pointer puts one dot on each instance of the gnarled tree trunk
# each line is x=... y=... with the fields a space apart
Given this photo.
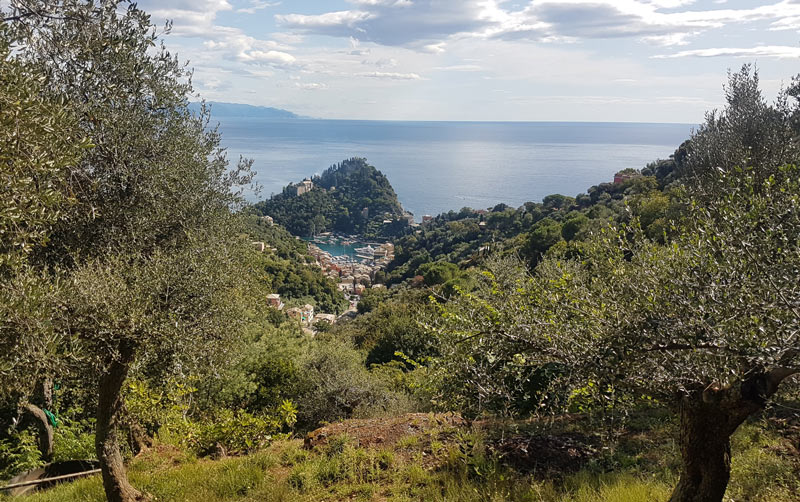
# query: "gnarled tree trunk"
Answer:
x=45 y=430
x=708 y=420
x=109 y=406
x=705 y=451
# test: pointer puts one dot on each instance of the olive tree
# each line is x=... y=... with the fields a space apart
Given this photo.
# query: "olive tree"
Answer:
x=708 y=322
x=147 y=256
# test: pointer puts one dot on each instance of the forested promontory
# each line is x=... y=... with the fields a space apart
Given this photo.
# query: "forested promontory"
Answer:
x=351 y=197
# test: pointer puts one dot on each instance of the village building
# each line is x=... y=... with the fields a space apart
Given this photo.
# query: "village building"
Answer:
x=331 y=318
x=274 y=301
x=427 y=218
x=268 y=220
x=305 y=186
x=304 y=314
x=259 y=246
x=621 y=177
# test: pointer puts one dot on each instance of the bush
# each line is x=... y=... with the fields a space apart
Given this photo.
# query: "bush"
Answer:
x=236 y=432
x=336 y=386
x=225 y=432
x=74 y=439
x=19 y=453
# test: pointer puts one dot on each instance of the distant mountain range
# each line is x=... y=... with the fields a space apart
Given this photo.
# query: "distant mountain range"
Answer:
x=232 y=110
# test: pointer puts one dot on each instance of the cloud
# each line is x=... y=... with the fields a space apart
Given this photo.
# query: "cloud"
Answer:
x=460 y=67
x=382 y=63
x=256 y=5
x=786 y=23
x=764 y=51
x=268 y=57
x=390 y=75
x=419 y=23
x=427 y=25
x=311 y=86
x=340 y=23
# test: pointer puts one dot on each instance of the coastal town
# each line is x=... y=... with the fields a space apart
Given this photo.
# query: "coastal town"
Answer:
x=354 y=271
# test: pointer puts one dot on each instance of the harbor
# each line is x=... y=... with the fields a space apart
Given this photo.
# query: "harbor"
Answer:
x=349 y=261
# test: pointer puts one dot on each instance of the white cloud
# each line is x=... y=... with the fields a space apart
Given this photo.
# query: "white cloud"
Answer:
x=427 y=25
x=765 y=51
x=340 y=23
x=269 y=57
x=390 y=75
x=311 y=86
x=680 y=38
x=382 y=63
x=422 y=24
x=459 y=67
x=256 y=5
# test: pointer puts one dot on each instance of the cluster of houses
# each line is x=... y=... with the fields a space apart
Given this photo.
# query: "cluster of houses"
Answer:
x=304 y=315
x=349 y=272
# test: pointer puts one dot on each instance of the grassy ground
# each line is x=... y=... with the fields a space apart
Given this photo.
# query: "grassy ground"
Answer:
x=448 y=464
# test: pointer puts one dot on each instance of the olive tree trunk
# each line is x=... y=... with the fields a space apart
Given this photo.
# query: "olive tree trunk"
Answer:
x=707 y=422
x=45 y=431
x=705 y=452
x=109 y=406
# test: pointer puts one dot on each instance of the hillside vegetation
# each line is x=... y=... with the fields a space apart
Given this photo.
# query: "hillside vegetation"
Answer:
x=446 y=463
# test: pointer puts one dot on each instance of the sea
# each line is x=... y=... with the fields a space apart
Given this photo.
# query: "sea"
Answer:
x=436 y=167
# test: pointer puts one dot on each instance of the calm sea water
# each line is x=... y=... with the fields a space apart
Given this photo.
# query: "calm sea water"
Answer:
x=438 y=166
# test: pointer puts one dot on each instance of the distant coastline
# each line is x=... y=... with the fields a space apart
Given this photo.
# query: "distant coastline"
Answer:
x=221 y=110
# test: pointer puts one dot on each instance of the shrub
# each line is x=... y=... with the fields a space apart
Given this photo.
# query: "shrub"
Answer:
x=337 y=386
x=74 y=439
x=19 y=453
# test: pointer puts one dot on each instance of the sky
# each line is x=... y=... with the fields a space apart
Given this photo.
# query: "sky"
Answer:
x=496 y=60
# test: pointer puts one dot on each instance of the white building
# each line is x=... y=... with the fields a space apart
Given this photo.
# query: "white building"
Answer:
x=305 y=186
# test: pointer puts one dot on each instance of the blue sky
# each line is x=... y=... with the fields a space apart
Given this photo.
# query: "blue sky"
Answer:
x=590 y=60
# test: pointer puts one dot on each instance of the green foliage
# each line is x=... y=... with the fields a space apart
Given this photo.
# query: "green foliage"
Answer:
x=452 y=466
x=337 y=203
x=264 y=370
x=336 y=385
x=39 y=143
x=74 y=438
x=439 y=272
x=391 y=325
x=544 y=234
x=162 y=406
x=237 y=431
x=19 y=453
